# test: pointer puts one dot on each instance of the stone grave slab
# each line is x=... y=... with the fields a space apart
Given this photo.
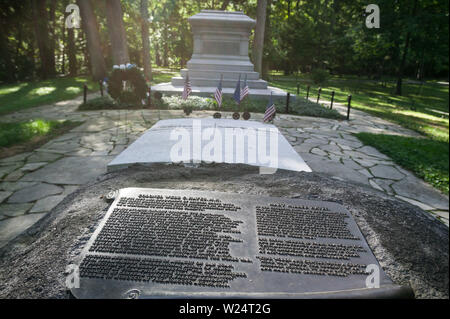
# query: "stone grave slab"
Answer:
x=157 y=144
x=159 y=243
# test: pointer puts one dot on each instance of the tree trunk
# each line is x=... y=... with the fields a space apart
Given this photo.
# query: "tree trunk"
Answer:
x=52 y=32
x=398 y=89
x=166 y=48
x=265 y=64
x=89 y=23
x=71 y=52
x=6 y=57
x=258 y=42
x=157 y=55
x=114 y=20
x=47 y=57
x=145 y=40
x=225 y=4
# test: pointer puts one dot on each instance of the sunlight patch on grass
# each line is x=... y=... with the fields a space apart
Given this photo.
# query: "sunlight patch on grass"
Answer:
x=12 y=89
x=14 y=133
x=73 y=89
x=43 y=90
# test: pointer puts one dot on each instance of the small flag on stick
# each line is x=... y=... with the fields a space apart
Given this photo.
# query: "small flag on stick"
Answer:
x=237 y=92
x=187 y=88
x=245 y=90
x=218 y=94
x=270 y=110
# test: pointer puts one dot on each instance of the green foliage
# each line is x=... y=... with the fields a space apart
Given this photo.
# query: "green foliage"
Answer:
x=14 y=133
x=99 y=103
x=300 y=36
x=320 y=76
x=426 y=158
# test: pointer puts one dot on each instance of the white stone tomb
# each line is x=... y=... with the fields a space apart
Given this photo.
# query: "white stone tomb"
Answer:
x=212 y=140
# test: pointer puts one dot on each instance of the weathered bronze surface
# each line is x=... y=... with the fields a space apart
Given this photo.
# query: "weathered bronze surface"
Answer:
x=155 y=243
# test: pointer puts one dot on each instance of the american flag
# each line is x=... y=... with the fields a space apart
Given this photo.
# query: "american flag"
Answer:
x=270 y=110
x=187 y=88
x=245 y=90
x=237 y=91
x=218 y=94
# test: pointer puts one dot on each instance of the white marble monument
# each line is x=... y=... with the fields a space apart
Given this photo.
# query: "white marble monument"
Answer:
x=221 y=47
x=208 y=140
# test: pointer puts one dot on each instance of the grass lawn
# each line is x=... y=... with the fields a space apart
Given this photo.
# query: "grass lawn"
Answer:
x=422 y=108
x=19 y=96
x=20 y=137
x=427 y=158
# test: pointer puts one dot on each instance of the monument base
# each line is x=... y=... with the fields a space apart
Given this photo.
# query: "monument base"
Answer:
x=169 y=89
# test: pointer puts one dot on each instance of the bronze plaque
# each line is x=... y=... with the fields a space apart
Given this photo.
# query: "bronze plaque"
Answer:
x=158 y=243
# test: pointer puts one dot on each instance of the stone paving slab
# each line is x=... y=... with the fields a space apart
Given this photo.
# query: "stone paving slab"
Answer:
x=12 y=227
x=46 y=204
x=70 y=170
x=35 y=192
x=63 y=164
x=13 y=210
x=4 y=195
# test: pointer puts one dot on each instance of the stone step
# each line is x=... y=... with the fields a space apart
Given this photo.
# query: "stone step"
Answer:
x=227 y=75
x=200 y=82
x=220 y=65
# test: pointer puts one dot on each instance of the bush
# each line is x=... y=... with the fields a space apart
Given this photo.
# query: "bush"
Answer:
x=307 y=108
x=320 y=76
x=99 y=103
x=193 y=102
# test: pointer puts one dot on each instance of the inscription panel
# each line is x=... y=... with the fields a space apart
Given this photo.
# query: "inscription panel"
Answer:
x=220 y=47
x=174 y=243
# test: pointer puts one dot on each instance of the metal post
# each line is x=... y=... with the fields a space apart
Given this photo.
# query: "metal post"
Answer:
x=332 y=99
x=287 y=102
x=84 y=93
x=298 y=89
x=307 y=92
x=318 y=94
x=348 y=107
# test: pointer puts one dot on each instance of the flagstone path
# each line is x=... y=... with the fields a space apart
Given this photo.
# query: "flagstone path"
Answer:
x=32 y=183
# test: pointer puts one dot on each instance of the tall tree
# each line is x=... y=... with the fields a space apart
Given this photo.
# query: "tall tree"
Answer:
x=40 y=20
x=398 y=88
x=71 y=52
x=258 y=42
x=90 y=26
x=145 y=40
x=114 y=20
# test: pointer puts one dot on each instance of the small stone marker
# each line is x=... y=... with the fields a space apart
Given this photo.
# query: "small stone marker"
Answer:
x=157 y=243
